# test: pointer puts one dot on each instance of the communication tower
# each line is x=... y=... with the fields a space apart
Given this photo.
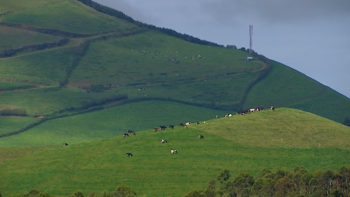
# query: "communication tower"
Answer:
x=250 y=41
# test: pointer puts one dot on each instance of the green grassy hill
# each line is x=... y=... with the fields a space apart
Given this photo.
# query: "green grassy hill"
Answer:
x=121 y=56
x=281 y=139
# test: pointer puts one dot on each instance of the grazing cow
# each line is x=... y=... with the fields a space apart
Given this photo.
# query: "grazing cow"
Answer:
x=64 y=144
x=131 y=131
x=197 y=122
x=252 y=110
x=163 y=141
x=171 y=126
x=187 y=123
x=181 y=124
x=128 y=154
x=272 y=108
x=162 y=127
x=125 y=135
x=173 y=151
x=200 y=136
x=259 y=108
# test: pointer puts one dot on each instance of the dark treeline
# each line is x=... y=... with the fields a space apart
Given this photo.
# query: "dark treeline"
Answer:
x=120 y=191
x=11 y=52
x=298 y=183
x=121 y=15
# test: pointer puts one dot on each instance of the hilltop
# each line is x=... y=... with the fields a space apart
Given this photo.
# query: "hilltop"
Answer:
x=282 y=139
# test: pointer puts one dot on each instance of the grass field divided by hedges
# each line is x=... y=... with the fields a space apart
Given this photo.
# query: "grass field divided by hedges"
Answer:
x=102 y=165
x=15 y=5
x=109 y=122
x=13 y=38
x=68 y=15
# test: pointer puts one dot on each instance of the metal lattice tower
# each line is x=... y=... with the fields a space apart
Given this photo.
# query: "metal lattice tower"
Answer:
x=250 y=40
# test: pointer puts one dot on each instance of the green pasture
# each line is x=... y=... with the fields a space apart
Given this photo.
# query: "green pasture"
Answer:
x=13 y=38
x=15 y=5
x=68 y=15
x=154 y=58
x=46 y=67
x=45 y=101
x=282 y=128
x=109 y=122
x=9 y=124
x=102 y=165
x=284 y=86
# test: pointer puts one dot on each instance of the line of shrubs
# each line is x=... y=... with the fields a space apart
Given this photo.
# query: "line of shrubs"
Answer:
x=13 y=112
x=11 y=52
x=23 y=129
x=53 y=32
x=299 y=183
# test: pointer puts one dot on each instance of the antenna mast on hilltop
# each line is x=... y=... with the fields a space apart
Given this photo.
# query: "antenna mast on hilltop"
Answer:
x=250 y=40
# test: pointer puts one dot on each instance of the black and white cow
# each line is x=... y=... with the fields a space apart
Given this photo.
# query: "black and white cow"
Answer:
x=128 y=154
x=173 y=151
x=200 y=136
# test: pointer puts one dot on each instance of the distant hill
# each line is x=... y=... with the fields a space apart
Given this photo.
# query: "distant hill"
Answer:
x=280 y=139
x=62 y=58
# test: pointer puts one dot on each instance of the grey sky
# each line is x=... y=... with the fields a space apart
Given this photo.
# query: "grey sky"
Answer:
x=311 y=36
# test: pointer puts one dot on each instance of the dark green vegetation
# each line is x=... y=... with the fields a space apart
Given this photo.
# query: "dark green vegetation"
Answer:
x=76 y=73
x=282 y=139
x=299 y=183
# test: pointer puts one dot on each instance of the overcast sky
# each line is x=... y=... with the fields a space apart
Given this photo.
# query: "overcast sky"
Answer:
x=311 y=36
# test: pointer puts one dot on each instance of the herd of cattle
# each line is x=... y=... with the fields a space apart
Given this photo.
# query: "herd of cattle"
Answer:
x=241 y=112
x=155 y=129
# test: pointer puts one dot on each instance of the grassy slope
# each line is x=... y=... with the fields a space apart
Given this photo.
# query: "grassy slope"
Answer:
x=109 y=122
x=13 y=38
x=9 y=124
x=102 y=165
x=68 y=15
x=284 y=86
x=15 y=5
x=167 y=67
x=46 y=67
x=45 y=101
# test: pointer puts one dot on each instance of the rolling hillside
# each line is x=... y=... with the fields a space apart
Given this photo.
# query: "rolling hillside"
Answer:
x=58 y=55
x=282 y=139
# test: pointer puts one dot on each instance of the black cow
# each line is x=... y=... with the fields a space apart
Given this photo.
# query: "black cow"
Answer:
x=162 y=127
x=125 y=135
x=128 y=154
x=272 y=108
x=171 y=126
x=64 y=144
